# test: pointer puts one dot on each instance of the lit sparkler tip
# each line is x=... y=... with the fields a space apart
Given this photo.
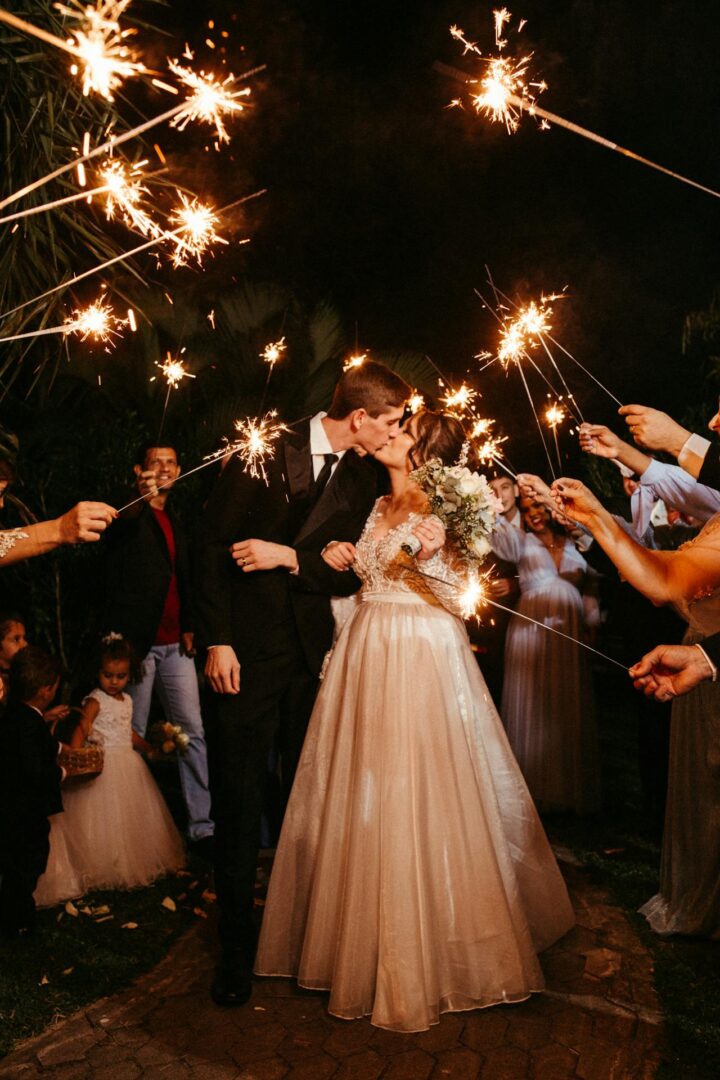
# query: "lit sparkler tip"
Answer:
x=103 y=56
x=254 y=444
x=210 y=99
x=97 y=321
x=196 y=225
x=459 y=402
x=415 y=402
x=473 y=596
x=355 y=361
x=554 y=415
x=173 y=371
x=274 y=352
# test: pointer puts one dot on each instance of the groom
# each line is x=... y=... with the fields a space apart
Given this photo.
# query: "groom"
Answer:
x=267 y=623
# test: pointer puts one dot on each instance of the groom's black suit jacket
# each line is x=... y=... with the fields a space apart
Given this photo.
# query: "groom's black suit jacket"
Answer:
x=257 y=612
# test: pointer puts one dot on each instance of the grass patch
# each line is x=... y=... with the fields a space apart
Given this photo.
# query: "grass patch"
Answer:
x=622 y=849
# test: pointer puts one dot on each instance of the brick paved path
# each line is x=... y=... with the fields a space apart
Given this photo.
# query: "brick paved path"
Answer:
x=598 y=1020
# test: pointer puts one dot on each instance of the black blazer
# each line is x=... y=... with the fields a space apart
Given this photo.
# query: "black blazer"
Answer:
x=138 y=574
x=29 y=773
x=711 y=645
x=710 y=469
x=256 y=613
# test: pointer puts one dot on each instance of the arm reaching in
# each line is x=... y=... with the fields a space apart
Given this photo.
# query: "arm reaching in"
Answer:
x=663 y=576
x=602 y=442
x=669 y=671
x=84 y=524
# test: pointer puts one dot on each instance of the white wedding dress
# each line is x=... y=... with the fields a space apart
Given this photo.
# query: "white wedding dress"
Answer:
x=412 y=876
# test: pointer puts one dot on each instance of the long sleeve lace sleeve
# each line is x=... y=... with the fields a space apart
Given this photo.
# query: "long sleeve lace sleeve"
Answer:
x=444 y=577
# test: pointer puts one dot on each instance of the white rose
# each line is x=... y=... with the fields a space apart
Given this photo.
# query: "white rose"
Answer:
x=479 y=546
x=470 y=484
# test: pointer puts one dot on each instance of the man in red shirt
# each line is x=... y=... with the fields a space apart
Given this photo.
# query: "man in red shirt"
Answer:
x=149 y=601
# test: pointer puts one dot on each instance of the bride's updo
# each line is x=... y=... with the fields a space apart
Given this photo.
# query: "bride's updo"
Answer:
x=437 y=435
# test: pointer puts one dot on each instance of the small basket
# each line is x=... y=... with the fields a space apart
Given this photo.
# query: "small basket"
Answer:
x=82 y=763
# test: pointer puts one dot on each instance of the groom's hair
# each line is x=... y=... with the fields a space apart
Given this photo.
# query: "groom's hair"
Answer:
x=372 y=387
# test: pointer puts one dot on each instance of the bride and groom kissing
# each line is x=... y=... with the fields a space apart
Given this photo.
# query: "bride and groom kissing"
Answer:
x=412 y=875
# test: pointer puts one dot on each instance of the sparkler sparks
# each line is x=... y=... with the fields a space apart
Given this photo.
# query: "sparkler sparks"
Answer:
x=209 y=101
x=254 y=444
x=97 y=321
x=554 y=415
x=415 y=402
x=195 y=230
x=273 y=352
x=101 y=46
x=473 y=595
x=124 y=194
x=459 y=402
x=173 y=371
x=504 y=90
x=357 y=360
x=524 y=330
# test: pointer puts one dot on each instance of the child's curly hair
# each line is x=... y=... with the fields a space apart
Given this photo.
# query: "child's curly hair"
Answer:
x=114 y=646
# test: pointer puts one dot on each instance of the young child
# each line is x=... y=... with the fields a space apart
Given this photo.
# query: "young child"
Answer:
x=29 y=786
x=12 y=640
x=116 y=832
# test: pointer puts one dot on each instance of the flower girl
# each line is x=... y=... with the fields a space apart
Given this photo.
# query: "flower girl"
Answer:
x=116 y=832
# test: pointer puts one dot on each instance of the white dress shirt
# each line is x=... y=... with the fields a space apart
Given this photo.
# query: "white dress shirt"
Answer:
x=320 y=446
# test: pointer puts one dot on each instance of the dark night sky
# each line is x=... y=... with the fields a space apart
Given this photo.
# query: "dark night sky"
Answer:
x=390 y=205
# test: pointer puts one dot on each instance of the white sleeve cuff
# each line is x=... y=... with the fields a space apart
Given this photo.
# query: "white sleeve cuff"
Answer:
x=693 y=453
x=710 y=664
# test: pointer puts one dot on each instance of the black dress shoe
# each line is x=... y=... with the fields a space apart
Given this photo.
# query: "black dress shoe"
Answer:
x=231 y=986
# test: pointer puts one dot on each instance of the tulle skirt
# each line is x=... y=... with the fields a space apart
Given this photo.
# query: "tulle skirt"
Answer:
x=115 y=833
x=689 y=897
x=547 y=704
x=412 y=875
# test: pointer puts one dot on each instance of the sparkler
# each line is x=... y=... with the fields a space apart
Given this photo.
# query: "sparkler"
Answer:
x=473 y=594
x=115 y=181
x=196 y=229
x=357 y=360
x=173 y=371
x=273 y=352
x=100 y=47
x=109 y=145
x=209 y=101
x=415 y=402
x=486 y=446
x=459 y=402
x=254 y=444
x=505 y=94
x=124 y=194
x=97 y=321
x=554 y=416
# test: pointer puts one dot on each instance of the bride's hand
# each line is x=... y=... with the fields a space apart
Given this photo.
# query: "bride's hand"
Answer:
x=340 y=554
x=431 y=534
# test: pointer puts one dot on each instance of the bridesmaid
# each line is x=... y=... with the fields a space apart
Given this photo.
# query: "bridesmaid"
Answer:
x=547 y=700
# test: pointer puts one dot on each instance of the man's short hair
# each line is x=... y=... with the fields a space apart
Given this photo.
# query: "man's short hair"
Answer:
x=147 y=447
x=31 y=670
x=372 y=387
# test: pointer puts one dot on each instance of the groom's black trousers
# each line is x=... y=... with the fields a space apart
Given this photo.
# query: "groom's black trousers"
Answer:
x=275 y=700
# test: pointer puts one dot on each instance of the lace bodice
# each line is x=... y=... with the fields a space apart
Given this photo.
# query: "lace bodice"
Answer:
x=383 y=567
x=113 y=723
x=702 y=612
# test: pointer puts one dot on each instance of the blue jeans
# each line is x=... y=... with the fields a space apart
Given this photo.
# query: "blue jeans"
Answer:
x=177 y=687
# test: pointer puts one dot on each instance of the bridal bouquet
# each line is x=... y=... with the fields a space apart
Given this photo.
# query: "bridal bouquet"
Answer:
x=464 y=502
x=168 y=738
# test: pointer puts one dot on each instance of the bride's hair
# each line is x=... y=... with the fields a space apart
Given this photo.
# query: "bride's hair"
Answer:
x=437 y=435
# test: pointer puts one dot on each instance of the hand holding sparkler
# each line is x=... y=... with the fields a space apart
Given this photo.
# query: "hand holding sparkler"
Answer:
x=85 y=523
x=602 y=442
x=575 y=501
x=668 y=671
x=653 y=429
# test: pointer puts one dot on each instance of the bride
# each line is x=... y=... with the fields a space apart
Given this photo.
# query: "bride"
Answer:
x=412 y=876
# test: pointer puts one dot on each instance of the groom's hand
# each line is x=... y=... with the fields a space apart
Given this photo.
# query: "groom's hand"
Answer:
x=253 y=555
x=339 y=554
x=222 y=669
